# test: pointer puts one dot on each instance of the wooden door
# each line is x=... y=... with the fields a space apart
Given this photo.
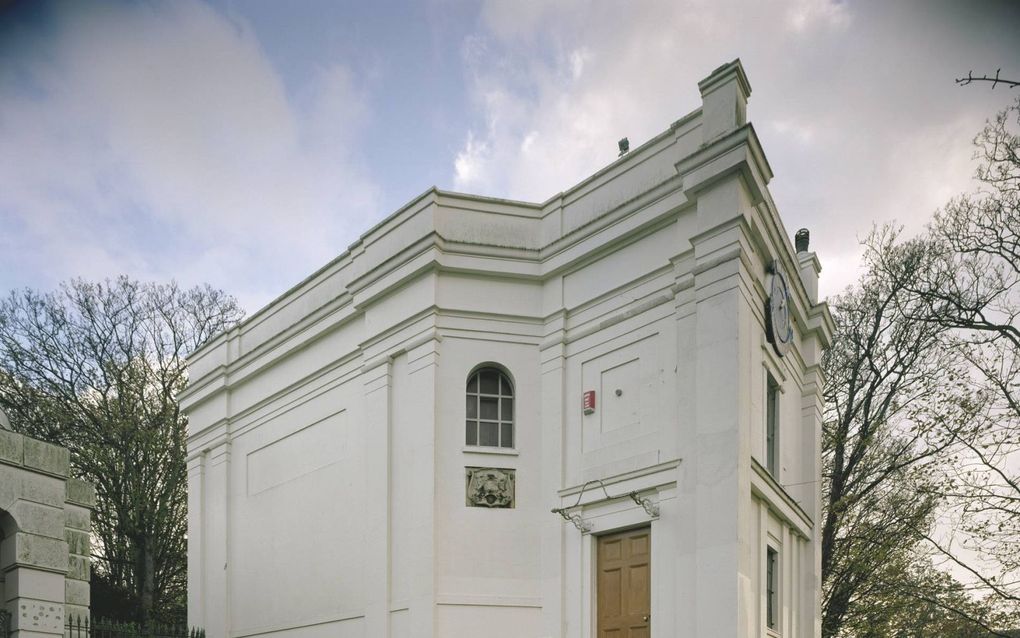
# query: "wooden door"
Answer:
x=624 y=584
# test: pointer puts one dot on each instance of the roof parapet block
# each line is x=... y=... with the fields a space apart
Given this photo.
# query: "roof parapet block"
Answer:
x=724 y=96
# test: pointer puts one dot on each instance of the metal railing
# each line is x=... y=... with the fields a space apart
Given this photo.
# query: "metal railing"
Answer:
x=99 y=628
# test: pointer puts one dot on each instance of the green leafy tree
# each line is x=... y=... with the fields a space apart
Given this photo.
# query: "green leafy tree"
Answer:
x=912 y=598
x=97 y=367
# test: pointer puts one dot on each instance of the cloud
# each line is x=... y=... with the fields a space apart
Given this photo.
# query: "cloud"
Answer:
x=803 y=15
x=469 y=164
x=855 y=103
x=158 y=139
x=573 y=81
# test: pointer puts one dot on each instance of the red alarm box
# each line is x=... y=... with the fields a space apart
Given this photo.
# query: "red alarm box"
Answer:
x=589 y=401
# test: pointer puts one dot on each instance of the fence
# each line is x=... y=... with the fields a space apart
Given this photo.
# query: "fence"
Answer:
x=100 y=628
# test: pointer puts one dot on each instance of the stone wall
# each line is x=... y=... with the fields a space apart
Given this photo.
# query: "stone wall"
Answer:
x=45 y=518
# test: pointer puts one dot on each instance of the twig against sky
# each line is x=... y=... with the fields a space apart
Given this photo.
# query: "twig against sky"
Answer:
x=984 y=78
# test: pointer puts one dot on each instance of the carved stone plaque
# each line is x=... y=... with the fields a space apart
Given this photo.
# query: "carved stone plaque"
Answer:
x=490 y=487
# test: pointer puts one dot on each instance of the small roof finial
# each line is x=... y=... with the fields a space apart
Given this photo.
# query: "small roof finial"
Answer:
x=802 y=239
x=624 y=145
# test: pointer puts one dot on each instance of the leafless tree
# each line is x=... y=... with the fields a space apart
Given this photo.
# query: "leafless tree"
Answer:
x=922 y=429
x=967 y=282
x=897 y=408
x=97 y=367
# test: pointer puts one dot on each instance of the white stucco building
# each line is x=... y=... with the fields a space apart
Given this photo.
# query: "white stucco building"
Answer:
x=378 y=452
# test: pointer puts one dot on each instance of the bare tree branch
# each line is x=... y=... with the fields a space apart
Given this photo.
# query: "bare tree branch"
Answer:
x=96 y=367
x=984 y=78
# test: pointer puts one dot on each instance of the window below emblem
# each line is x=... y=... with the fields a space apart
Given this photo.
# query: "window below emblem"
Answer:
x=490 y=409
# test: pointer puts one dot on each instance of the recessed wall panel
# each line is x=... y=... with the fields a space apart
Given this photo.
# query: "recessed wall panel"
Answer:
x=311 y=448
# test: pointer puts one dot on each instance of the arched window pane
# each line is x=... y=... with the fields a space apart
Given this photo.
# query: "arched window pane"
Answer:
x=489 y=409
x=490 y=381
x=488 y=433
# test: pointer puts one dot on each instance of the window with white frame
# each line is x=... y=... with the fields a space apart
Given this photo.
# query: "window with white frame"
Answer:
x=490 y=409
x=772 y=588
x=772 y=425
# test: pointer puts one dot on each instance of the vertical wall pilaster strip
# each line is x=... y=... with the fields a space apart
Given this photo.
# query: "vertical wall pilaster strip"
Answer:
x=721 y=453
x=377 y=493
x=196 y=540
x=760 y=584
x=218 y=541
x=787 y=563
x=809 y=492
x=553 y=362
x=422 y=366
x=552 y=467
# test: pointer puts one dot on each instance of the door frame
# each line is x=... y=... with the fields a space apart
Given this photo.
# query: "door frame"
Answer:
x=578 y=613
x=589 y=564
x=595 y=570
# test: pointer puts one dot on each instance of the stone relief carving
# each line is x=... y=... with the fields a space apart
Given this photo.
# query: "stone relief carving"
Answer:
x=490 y=487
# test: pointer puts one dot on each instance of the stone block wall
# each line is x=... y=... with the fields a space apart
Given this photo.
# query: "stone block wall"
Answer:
x=45 y=518
x=81 y=500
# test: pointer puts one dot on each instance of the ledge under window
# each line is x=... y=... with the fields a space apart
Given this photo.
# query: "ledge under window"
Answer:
x=481 y=449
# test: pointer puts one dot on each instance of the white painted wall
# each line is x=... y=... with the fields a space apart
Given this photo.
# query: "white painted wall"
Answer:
x=326 y=450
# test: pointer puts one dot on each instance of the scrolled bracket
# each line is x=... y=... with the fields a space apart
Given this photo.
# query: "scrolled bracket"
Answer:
x=582 y=525
x=652 y=509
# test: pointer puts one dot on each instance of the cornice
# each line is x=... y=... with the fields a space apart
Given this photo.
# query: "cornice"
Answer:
x=631 y=159
x=765 y=486
x=314 y=324
x=667 y=195
x=722 y=74
x=736 y=152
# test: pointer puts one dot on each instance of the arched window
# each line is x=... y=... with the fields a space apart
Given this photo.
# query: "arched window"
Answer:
x=490 y=409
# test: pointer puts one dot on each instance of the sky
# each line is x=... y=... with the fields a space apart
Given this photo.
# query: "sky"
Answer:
x=247 y=143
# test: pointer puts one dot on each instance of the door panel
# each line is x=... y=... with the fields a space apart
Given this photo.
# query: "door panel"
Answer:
x=624 y=584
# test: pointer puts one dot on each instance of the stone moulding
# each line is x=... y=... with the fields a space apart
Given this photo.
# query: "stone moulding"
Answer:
x=491 y=487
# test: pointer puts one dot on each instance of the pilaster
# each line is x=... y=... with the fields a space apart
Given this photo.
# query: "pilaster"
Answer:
x=216 y=510
x=723 y=556
x=420 y=397
x=377 y=423
x=196 y=539
x=553 y=361
x=809 y=493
